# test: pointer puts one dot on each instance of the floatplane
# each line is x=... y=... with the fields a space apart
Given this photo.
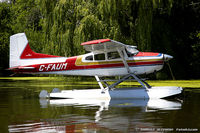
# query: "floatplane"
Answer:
x=106 y=57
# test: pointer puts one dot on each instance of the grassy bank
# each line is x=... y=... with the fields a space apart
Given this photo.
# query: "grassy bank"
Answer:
x=91 y=81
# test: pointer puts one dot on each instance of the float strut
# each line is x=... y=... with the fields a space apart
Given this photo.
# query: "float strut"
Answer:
x=99 y=82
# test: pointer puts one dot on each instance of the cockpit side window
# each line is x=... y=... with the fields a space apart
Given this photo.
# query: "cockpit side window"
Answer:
x=113 y=55
x=99 y=56
x=89 y=58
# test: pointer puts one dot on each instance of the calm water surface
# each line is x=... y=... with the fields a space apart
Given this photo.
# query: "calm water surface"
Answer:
x=22 y=111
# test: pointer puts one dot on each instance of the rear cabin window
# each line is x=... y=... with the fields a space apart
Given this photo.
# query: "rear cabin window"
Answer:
x=99 y=56
x=113 y=55
x=89 y=58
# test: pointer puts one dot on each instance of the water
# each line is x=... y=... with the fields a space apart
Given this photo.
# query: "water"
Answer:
x=22 y=111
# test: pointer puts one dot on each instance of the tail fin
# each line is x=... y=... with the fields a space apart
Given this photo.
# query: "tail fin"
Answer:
x=20 y=50
x=18 y=43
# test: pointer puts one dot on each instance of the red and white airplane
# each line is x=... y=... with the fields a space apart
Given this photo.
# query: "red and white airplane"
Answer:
x=106 y=58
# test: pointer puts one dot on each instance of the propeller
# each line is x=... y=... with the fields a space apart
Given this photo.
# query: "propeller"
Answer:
x=166 y=59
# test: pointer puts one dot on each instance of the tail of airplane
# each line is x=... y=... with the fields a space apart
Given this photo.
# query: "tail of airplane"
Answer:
x=20 y=50
x=18 y=42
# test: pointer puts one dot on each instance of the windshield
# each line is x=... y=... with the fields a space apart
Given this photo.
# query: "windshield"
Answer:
x=131 y=51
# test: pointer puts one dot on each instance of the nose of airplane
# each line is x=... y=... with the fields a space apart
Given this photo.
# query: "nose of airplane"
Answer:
x=167 y=57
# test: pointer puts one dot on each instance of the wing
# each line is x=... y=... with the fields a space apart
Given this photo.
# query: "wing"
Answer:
x=104 y=45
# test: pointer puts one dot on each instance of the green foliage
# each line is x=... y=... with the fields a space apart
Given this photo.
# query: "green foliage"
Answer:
x=5 y=32
x=59 y=26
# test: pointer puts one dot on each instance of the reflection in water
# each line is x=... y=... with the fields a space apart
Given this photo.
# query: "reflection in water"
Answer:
x=109 y=115
x=55 y=126
x=22 y=111
x=146 y=104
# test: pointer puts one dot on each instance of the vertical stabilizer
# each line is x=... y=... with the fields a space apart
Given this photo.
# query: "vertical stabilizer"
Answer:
x=18 y=43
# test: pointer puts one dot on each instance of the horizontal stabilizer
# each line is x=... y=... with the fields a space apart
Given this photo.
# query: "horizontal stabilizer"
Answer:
x=22 y=68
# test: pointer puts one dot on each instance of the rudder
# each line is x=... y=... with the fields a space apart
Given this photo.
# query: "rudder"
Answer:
x=18 y=43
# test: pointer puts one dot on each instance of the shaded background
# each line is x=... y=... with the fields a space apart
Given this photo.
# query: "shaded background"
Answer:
x=58 y=27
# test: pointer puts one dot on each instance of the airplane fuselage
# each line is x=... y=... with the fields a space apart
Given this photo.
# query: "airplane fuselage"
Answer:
x=88 y=65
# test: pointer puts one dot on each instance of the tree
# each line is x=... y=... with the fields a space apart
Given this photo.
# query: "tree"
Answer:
x=5 y=33
x=59 y=26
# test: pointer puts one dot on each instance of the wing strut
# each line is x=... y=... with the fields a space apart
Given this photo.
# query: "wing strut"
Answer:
x=121 y=53
x=142 y=82
x=130 y=74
